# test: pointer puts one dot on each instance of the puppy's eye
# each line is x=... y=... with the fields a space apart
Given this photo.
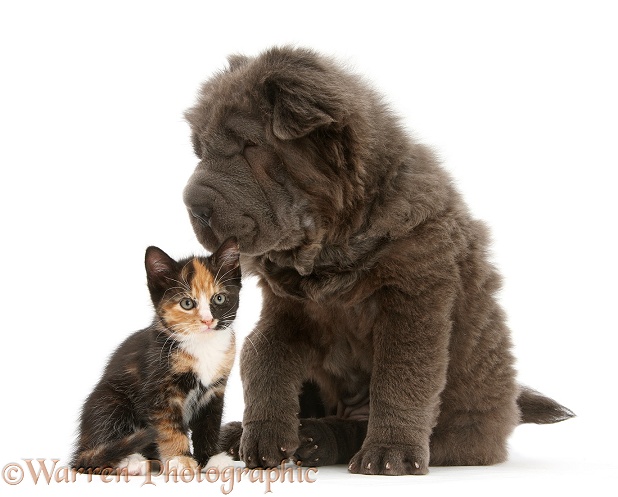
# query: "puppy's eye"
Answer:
x=219 y=299
x=248 y=144
x=187 y=304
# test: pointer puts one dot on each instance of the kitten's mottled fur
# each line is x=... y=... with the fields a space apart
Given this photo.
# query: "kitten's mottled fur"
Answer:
x=167 y=379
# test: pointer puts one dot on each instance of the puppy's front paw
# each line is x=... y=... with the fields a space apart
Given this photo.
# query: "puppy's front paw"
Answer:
x=385 y=459
x=266 y=444
x=318 y=445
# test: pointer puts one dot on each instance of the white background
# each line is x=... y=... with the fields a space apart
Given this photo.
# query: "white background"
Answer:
x=518 y=98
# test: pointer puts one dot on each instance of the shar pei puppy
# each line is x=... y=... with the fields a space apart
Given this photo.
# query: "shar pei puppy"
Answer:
x=380 y=343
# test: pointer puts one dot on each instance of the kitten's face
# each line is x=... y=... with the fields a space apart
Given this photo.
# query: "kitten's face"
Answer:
x=200 y=303
x=198 y=295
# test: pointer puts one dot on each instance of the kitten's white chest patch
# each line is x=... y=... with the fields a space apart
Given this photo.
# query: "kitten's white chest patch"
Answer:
x=209 y=351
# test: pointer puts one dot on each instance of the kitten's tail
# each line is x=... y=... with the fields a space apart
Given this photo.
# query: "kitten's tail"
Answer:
x=536 y=408
x=109 y=454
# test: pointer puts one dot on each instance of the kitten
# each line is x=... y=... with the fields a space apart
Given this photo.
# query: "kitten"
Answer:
x=168 y=378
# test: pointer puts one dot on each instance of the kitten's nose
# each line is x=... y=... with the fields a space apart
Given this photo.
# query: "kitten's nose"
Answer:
x=207 y=322
x=202 y=214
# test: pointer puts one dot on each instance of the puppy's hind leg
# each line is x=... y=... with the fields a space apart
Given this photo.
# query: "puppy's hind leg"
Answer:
x=229 y=439
x=329 y=440
x=472 y=438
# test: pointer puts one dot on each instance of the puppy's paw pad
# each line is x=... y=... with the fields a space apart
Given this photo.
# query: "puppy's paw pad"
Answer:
x=266 y=444
x=317 y=444
x=383 y=459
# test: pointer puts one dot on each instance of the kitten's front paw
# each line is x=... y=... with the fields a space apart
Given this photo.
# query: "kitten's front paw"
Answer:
x=179 y=463
x=219 y=461
x=318 y=445
x=265 y=444
x=385 y=459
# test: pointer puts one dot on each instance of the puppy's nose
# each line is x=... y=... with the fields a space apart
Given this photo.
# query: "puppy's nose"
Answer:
x=202 y=214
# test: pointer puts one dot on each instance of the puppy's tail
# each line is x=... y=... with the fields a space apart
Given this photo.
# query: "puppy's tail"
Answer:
x=109 y=454
x=536 y=408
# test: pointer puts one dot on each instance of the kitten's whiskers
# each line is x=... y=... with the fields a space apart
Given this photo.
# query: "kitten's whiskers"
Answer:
x=223 y=275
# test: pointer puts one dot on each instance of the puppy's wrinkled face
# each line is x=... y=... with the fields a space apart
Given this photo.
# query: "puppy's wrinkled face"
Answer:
x=240 y=187
x=272 y=166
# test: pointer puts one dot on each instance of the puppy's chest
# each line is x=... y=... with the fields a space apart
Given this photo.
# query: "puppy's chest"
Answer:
x=352 y=324
x=345 y=355
x=343 y=339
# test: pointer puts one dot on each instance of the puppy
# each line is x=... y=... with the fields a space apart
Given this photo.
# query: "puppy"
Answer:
x=380 y=321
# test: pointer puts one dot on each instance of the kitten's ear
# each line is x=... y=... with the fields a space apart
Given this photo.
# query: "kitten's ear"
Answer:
x=160 y=269
x=227 y=256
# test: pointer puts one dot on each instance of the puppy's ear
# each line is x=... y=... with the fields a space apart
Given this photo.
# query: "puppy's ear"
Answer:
x=296 y=109
x=235 y=61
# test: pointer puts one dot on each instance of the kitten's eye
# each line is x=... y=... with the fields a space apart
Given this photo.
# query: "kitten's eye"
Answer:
x=219 y=299
x=187 y=304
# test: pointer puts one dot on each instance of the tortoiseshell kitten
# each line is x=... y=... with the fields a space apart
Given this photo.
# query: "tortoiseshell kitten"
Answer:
x=168 y=378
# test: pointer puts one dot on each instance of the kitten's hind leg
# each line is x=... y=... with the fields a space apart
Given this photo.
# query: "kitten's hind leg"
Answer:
x=135 y=464
x=111 y=453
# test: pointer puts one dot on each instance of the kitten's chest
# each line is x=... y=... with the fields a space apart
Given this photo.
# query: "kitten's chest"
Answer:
x=209 y=356
x=209 y=359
